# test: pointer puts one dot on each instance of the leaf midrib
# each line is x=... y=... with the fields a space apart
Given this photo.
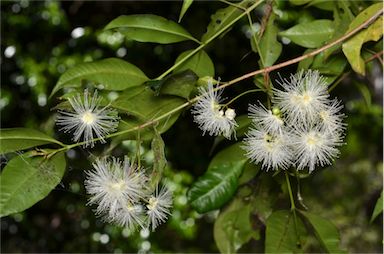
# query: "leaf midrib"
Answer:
x=157 y=29
x=218 y=185
x=101 y=72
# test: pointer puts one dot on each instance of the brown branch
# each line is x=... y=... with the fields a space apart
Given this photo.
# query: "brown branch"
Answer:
x=377 y=55
x=313 y=53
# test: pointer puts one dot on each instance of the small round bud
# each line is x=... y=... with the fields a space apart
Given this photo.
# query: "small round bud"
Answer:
x=204 y=81
x=276 y=111
x=230 y=114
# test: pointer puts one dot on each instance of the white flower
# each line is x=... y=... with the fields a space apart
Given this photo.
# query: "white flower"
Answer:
x=331 y=120
x=211 y=116
x=269 y=120
x=130 y=216
x=303 y=96
x=87 y=119
x=158 y=207
x=315 y=147
x=112 y=185
x=270 y=149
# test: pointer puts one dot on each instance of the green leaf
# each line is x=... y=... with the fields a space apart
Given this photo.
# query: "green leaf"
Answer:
x=343 y=16
x=249 y=172
x=179 y=84
x=144 y=104
x=306 y=63
x=325 y=232
x=150 y=28
x=378 y=208
x=159 y=161
x=26 y=180
x=220 y=181
x=352 y=48
x=112 y=73
x=233 y=227
x=222 y=18
x=16 y=139
x=281 y=235
x=312 y=34
x=184 y=8
x=299 y=2
x=199 y=63
x=146 y=133
x=270 y=48
x=323 y=4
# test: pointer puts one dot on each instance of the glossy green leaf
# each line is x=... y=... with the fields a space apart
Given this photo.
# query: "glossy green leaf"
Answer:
x=199 y=63
x=16 y=139
x=378 y=208
x=222 y=18
x=142 y=102
x=220 y=181
x=112 y=73
x=352 y=47
x=281 y=235
x=150 y=28
x=325 y=232
x=159 y=161
x=312 y=34
x=233 y=227
x=26 y=180
x=184 y=8
x=270 y=47
x=180 y=84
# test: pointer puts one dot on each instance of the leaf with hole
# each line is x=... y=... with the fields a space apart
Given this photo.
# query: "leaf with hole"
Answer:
x=15 y=139
x=112 y=73
x=219 y=183
x=25 y=180
x=223 y=18
x=150 y=28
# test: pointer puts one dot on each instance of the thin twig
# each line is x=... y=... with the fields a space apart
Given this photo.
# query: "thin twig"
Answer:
x=313 y=53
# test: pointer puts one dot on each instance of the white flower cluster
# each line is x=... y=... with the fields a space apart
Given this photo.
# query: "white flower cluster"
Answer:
x=88 y=119
x=120 y=192
x=303 y=129
x=211 y=116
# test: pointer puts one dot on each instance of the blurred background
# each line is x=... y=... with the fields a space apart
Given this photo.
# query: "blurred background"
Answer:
x=40 y=40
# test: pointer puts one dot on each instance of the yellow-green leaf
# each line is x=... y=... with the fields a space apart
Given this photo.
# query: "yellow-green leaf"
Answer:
x=184 y=8
x=352 y=48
